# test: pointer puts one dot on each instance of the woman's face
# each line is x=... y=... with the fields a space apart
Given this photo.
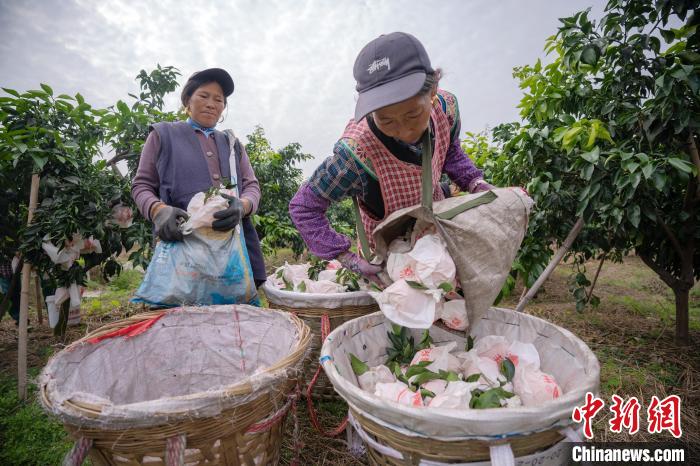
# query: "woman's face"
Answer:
x=206 y=104
x=407 y=120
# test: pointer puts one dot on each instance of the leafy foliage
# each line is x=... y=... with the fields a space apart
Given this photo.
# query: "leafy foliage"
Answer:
x=609 y=134
x=60 y=138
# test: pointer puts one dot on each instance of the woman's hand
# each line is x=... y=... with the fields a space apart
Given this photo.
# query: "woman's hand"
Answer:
x=167 y=222
x=229 y=217
x=481 y=186
x=357 y=264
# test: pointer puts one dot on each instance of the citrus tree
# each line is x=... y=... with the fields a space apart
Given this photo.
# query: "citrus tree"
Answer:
x=60 y=138
x=610 y=135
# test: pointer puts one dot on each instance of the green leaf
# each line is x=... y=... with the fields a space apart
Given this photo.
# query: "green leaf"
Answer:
x=425 y=340
x=302 y=287
x=39 y=161
x=647 y=170
x=668 y=35
x=11 y=91
x=681 y=165
x=446 y=287
x=416 y=285
x=449 y=376
x=591 y=156
x=417 y=369
x=473 y=378
x=507 y=369
x=590 y=55
x=587 y=171
x=426 y=393
x=488 y=399
x=358 y=367
x=634 y=214
x=47 y=89
x=470 y=343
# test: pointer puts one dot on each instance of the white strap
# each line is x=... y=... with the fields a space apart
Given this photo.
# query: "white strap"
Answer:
x=232 y=162
x=383 y=449
x=502 y=455
x=571 y=435
x=355 y=445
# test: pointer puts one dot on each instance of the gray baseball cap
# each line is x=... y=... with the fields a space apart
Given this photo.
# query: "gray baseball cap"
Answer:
x=388 y=70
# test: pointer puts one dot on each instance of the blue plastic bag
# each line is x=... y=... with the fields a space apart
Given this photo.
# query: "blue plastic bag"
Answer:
x=207 y=267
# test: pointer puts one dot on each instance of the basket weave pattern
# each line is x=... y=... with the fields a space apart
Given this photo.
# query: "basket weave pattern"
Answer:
x=312 y=317
x=223 y=439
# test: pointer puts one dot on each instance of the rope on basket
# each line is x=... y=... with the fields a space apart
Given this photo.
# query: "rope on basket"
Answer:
x=175 y=450
x=325 y=330
x=78 y=453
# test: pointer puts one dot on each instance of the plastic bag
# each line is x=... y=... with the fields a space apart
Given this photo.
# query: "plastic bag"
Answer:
x=202 y=208
x=295 y=273
x=207 y=267
x=439 y=355
x=321 y=286
x=408 y=306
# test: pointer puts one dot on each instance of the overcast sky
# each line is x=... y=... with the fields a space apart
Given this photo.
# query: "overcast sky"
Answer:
x=291 y=60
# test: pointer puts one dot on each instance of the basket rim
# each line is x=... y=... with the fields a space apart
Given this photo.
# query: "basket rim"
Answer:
x=229 y=394
x=284 y=295
x=378 y=406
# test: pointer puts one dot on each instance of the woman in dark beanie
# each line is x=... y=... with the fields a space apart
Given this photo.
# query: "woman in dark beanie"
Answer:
x=378 y=158
x=183 y=158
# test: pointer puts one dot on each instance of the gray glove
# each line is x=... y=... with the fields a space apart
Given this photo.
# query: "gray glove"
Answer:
x=167 y=222
x=229 y=217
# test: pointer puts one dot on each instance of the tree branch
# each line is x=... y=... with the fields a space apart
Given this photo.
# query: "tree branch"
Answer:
x=695 y=157
x=667 y=278
x=671 y=236
x=117 y=158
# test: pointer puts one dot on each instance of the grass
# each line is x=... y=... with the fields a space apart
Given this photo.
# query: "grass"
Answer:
x=27 y=435
x=631 y=332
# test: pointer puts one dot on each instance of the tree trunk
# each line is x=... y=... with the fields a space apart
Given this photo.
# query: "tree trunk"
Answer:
x=682 y=315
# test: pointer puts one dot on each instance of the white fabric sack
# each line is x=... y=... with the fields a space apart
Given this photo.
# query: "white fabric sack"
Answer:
x=453 y=314
x=400 y=245
x=534 y=387
x=378 y=374
x=201 y=210
x=400 y=266
x=457 y=395
x=407 y=306
x=398 y=392
x=482 y=232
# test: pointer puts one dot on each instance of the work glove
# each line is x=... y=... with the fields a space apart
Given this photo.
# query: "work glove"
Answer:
x=167 y=222
x=357 y=264
x=481 y=186
x=229 y=217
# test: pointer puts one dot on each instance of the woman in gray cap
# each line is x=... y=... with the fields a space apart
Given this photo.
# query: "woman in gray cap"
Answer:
x=378 y=158
x=180 y=159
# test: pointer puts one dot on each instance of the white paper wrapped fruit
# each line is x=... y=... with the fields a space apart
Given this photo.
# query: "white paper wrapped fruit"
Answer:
x=424 y=285
x=318 y=276
x=492 y=373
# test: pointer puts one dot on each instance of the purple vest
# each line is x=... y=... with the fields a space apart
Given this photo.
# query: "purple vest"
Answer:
x=183 y=172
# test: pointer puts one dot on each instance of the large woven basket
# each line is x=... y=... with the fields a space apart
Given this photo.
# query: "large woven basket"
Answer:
x=397 y=434
x=207 y=385
x=311 y=307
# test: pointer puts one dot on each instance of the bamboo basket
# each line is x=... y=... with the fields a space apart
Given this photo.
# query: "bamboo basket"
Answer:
x=238 y=423
x=338 y=307
x=396 y=434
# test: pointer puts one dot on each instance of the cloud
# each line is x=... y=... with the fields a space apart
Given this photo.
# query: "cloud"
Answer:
x=291 y=60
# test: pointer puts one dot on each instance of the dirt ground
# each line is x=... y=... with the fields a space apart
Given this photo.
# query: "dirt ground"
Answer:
x=631 y=332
